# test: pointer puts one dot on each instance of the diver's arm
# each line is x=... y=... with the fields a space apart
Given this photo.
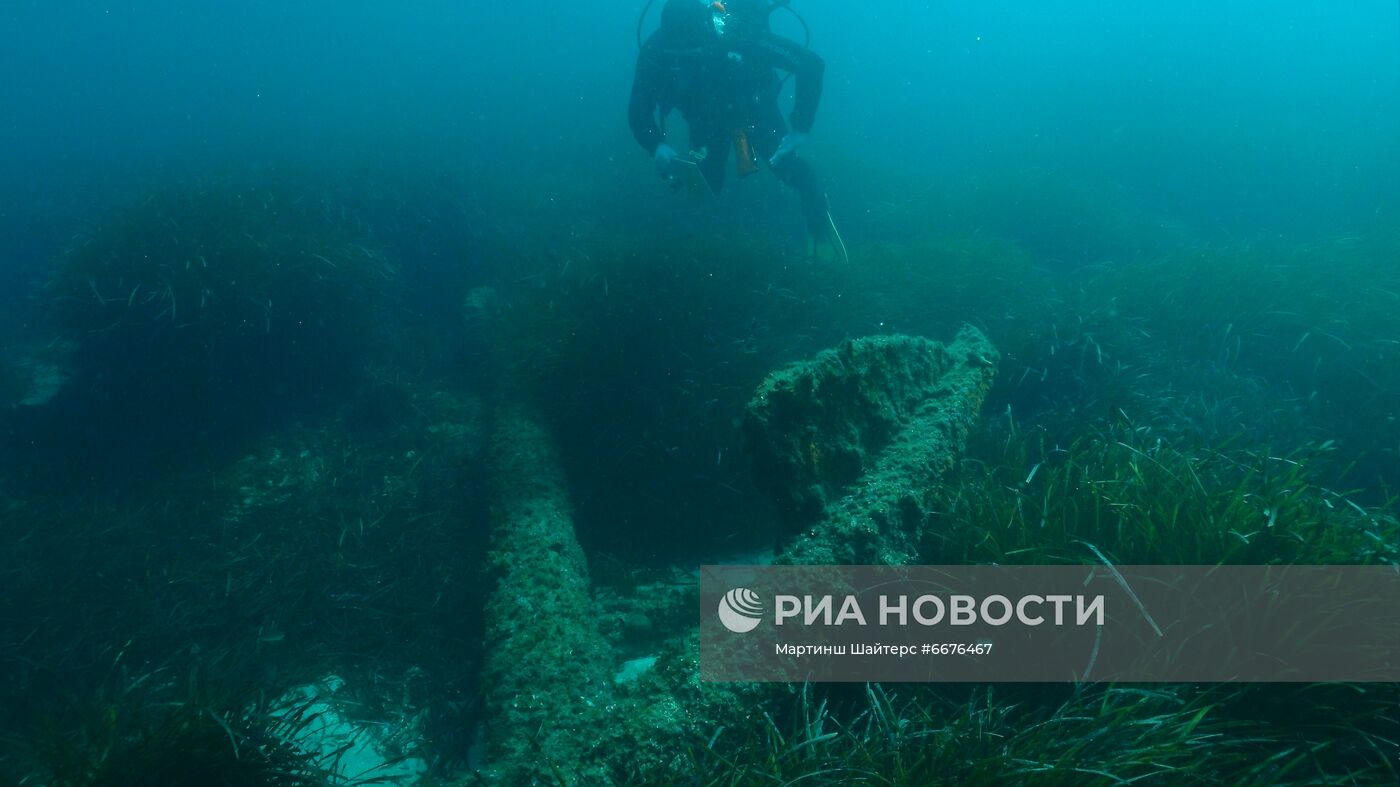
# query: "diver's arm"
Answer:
x=807 y=68
x=641 y=110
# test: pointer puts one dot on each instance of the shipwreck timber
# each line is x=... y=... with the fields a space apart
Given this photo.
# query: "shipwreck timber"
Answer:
x=851 y=442
x=547 y=669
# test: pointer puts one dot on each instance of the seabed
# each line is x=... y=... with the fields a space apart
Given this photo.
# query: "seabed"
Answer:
x=271 y=520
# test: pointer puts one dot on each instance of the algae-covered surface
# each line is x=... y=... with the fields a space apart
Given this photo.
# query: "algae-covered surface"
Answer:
x=548 y=668
x=368 y=406
x=855 y=440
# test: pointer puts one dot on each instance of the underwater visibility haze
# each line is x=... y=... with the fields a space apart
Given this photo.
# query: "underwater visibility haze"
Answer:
x=375 y=378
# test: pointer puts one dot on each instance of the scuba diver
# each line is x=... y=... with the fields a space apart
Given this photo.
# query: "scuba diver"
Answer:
x=717 y=63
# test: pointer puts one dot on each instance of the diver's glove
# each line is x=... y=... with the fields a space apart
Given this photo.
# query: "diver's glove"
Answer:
x=666 y=161
x=791 y=142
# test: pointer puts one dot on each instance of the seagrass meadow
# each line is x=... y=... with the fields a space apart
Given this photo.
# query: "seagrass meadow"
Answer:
x=368 y=405
x=265 y=582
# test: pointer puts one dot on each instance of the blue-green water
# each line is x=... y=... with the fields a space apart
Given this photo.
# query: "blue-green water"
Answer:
x=302 y=305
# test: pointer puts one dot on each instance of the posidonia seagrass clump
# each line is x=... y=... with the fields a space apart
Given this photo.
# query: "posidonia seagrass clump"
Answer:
x=13 y=387
x=215 y=301
x=163 y=726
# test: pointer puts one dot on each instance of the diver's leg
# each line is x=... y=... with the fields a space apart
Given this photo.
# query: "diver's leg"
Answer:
x=797 y=173
x=716 y=147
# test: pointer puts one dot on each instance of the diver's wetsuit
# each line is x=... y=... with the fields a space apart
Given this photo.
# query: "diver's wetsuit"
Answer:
x=720 y=85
